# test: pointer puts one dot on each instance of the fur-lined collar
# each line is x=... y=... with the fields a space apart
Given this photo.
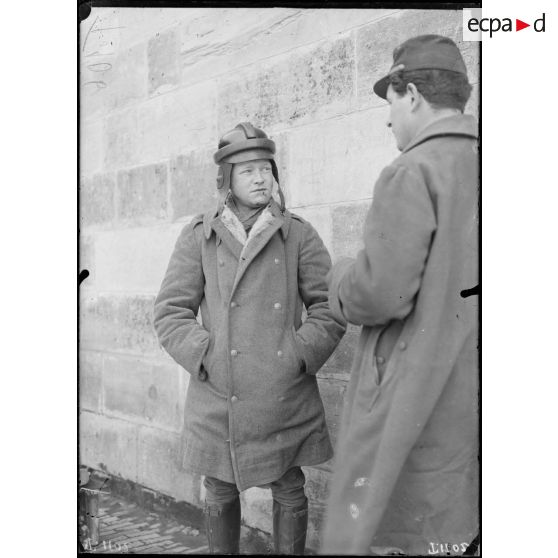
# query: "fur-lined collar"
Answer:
x=233 y=224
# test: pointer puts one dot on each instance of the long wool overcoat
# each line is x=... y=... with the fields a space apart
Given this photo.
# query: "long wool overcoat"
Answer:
x=259 y=412
x=407 y=464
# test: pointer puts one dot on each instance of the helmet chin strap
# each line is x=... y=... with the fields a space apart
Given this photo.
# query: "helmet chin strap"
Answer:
x=275 y=173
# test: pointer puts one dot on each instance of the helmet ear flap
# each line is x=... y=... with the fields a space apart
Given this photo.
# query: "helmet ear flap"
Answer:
x=220 y=177
x=224 y=176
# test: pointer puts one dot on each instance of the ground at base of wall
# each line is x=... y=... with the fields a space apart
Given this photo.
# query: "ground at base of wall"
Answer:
x=127 y=528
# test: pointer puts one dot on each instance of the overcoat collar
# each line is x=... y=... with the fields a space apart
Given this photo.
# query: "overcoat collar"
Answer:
x=212 y=219
x=458 y=125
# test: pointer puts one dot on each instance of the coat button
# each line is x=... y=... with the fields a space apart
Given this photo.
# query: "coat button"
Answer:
x=234 y=399
x=221 y=263
x=402 y=345
x=279 y=353
x=276 y=260
x=277 y=306
x=380 y=360
x=234 y=352
x=233 y=304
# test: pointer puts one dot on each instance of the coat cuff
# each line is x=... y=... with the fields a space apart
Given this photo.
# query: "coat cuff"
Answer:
x=334 y=278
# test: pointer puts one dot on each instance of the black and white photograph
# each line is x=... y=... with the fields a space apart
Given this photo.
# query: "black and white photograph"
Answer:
x=278 y=278
x=279 y=281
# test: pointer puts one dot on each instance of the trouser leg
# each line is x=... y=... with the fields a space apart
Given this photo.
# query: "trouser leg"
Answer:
x=222 y=516
x=290 y=513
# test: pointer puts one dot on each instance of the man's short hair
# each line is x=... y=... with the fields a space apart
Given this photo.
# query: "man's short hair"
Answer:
x=441 y=88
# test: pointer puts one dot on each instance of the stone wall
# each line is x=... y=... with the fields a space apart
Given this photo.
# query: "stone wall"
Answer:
x=158 y=87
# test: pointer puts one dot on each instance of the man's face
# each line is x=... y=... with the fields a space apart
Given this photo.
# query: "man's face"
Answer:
x=252 y=182
x=401 y=119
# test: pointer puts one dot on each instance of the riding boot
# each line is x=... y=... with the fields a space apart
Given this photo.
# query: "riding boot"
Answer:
x=222 y=524
x=289 y=528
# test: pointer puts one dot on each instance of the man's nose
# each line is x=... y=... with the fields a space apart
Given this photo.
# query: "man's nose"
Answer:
x=258 y=176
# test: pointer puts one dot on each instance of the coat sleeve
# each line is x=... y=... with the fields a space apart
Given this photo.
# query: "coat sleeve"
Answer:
x=321 y=332
x=177 y=304
x=382 y=283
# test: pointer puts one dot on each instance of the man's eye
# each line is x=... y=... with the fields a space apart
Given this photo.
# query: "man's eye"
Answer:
x=247 y=171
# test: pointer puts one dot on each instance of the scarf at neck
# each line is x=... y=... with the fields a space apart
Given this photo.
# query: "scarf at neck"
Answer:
x=247 y=216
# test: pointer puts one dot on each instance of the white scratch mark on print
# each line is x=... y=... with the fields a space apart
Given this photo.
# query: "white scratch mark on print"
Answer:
x=355 y=512
x=362 y=481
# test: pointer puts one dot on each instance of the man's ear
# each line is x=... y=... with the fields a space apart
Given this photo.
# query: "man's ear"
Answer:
x=415 y=97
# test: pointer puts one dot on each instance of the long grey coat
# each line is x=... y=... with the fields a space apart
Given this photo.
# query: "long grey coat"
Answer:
x=259 y=412
x=406 y=473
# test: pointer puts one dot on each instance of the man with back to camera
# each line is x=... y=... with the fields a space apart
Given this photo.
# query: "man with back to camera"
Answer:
x=253 y=413
x=406 y=474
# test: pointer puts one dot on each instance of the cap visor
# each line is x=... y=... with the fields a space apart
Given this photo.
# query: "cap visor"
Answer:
x=381 y=87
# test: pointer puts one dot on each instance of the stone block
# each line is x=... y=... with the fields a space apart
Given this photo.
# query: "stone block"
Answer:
x=316 y=519
x=88 y=324
x=177 y=122
x=162 y=56
x=317 y=492
x=300 y=87
x=186 y=487
x=142 y=389
x=133 y=25
x=156 y=456
x=332 y=392
x=119 y=448
x=340 y=159
x=317 y=485
x=142 y=194
x=90 y=147
x=128 y=77
x=257 y=508
x=375 y=43
x=108 y=445
x=216 y=43
x=112 y=78
x=161 y=127
x=320 y=218
x=90 y=381
x=96 y=200
x=133 y=259
x=348 y=228
x=193 y=183
x=125 y=324
x=122 y=139
x=159 y=466
x=89 y=438
x=281 y=140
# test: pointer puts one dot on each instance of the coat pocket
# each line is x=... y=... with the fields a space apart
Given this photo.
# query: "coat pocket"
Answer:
x=301 y=364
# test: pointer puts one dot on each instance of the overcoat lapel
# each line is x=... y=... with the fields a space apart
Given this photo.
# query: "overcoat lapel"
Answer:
x=223 y=234
x=254 y=247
